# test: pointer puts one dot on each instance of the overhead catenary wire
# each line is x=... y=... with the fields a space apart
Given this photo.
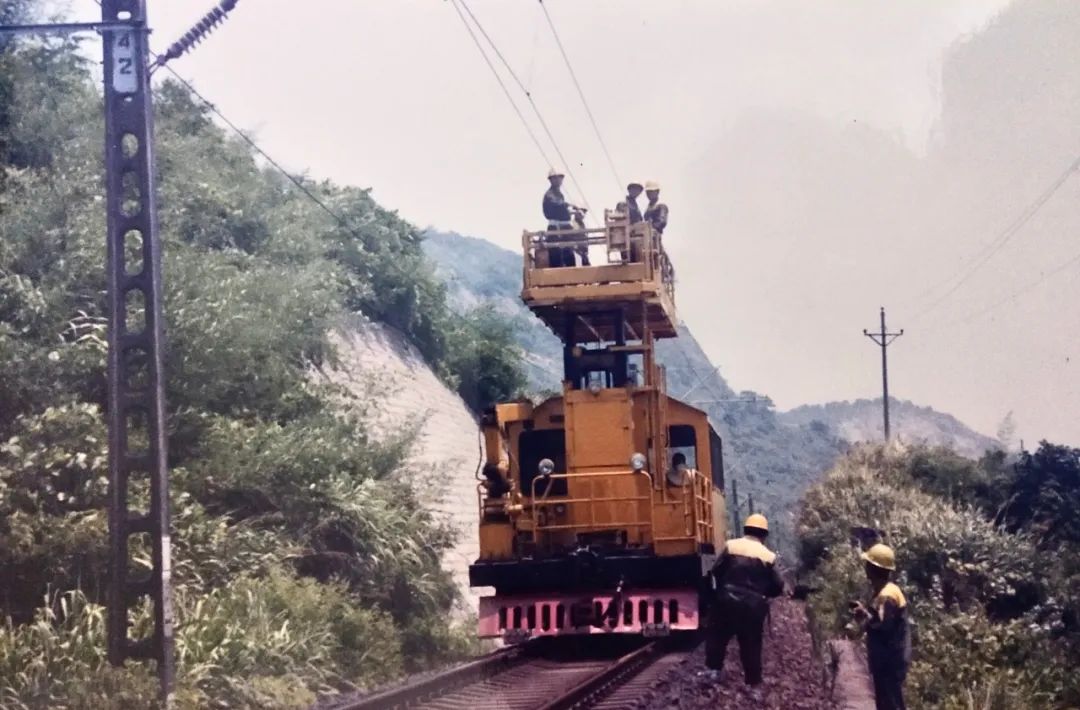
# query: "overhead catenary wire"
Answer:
x=529 y=97
x=1074 y=261
x=304 y=190
x=247 y=139
x=255 y=146
x=1003 y=238
x=581 y=94
x=502 y=84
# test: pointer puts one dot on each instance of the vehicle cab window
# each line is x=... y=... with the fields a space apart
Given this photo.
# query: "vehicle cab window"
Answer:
x=682 y=453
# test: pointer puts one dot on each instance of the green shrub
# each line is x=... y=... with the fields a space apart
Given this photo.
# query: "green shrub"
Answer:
x=58 y=661
x=240 y=646
x=485 y=359
x=300 y=549
x=979 y=597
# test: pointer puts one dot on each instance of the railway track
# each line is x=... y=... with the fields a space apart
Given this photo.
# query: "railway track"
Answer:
x=534 y=677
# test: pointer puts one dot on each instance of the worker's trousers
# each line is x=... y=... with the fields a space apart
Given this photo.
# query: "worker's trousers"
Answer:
x=560 y=256
x=741 y=616
x=888 y=686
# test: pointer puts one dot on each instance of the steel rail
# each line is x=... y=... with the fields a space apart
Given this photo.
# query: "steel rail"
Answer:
x=595 y=687
x=439 y=687
x=440 y=683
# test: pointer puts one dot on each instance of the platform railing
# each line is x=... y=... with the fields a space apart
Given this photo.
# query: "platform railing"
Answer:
x=696 y=500
x=623 y=245
x=590 y=502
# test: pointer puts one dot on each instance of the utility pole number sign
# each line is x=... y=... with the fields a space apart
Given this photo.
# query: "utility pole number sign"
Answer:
x=124 y=76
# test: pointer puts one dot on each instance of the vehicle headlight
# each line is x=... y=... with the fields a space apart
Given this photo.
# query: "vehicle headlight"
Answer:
x=638 y=461
x=546 y=467
x=595 y=387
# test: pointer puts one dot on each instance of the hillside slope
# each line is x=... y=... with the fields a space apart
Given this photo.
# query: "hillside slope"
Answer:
x=861 y=421
x=380 y=367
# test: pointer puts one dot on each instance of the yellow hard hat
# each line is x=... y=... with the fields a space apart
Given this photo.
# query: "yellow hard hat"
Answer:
x=652 y=185
x=881 y=556
x=554 y=173
x=757 y=520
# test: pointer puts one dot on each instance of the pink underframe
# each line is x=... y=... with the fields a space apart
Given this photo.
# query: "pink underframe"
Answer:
x=490 y=625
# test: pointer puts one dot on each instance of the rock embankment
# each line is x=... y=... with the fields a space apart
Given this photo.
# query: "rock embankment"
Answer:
x=400 y=393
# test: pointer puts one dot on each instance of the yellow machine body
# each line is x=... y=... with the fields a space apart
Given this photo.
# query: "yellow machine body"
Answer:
x=593 y=492
x=580 y=502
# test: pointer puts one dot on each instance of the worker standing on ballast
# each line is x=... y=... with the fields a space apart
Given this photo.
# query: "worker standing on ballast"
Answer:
x=888 y=638
x=746 y=579
x=656 y=213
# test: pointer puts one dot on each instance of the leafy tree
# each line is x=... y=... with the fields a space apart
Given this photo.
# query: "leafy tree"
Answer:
x=1006 y=432
x=980 y=596
x=1045 y=495
x=486 y=358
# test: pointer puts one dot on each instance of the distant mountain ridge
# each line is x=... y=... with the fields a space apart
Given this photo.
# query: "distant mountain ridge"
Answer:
x=862 y=420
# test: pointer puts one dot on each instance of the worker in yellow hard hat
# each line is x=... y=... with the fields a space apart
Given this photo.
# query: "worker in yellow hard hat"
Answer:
x=746 y=579
x=559 y=214
x=888 y=638
x=656 y=213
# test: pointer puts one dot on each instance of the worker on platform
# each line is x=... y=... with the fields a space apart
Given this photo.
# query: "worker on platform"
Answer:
x=677 y=474
x=656 y=213
x=888 y=638
x=746 y=579
x=558 y=213
x=633 y=191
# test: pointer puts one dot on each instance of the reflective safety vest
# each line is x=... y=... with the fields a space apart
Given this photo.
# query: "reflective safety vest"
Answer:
x=888 y=638
x=747 y=564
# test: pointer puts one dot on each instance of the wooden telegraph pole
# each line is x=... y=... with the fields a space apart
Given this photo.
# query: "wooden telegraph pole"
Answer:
x=884 y=338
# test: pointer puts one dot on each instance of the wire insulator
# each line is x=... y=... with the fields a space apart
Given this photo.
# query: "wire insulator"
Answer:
x=197 y=33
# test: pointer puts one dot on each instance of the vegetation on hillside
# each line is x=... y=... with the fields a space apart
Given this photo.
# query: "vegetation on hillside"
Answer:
x=987 y=554
x=303 y=561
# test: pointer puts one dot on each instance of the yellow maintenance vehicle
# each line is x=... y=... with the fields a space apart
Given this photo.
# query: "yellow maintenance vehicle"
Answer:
x=601 y=510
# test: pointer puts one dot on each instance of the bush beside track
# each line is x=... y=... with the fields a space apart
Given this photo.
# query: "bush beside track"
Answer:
x=303 y=561
x=993 y=595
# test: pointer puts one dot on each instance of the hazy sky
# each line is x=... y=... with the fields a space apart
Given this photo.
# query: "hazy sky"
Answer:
x=719 y=101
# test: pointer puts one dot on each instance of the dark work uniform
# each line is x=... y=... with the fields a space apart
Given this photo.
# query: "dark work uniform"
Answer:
x=633 y=210
x=746 y=578
x=888 y=647
x=557 y=212
x=657 y=216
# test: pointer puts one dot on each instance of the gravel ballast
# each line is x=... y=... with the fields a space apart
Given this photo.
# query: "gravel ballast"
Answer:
x=795 y=678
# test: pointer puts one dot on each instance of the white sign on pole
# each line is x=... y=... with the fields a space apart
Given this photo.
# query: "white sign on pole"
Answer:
x=124 y=70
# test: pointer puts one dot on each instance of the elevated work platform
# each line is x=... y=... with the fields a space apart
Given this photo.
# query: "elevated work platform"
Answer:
x=627 y=273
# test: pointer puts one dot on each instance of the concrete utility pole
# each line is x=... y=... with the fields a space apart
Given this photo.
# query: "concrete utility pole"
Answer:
x=884 y=339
